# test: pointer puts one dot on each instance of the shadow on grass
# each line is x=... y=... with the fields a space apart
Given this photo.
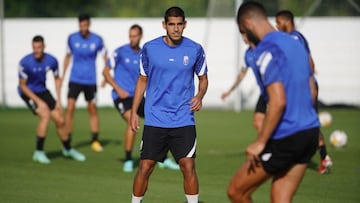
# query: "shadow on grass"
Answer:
x=312 y=166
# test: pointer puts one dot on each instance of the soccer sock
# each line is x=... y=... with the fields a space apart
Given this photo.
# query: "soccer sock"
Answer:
x=135 y=199
x=94 y=136
x=70 y=136
x=128 y=155
x=40 y=143
x=323 y=153
x=66 y=144
x=192 y=198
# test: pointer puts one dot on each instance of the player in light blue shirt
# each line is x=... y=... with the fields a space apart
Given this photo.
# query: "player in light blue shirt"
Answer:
x=167 y=68
x=32 y=89
x=285 y=23
x=289 y=135
x=83 y=47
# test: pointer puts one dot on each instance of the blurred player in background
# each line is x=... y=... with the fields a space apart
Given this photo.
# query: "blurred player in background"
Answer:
x=32 y=89
x=260 y=107
x=285 y=23
x=125 y=63
x=168 y=65
x=289 y=134
x=83 y=47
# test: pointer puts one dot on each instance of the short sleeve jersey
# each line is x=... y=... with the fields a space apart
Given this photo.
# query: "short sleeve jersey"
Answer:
x=34 y=71
x=299 y=37
x=280 y=58
x=84 y=52
x=170 y=71
x=125 y=62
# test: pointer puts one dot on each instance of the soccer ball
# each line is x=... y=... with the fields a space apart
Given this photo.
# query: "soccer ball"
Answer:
x=325 y=118
x=338 y=138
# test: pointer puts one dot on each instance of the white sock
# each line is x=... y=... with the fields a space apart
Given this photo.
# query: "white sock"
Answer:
x=192 y=198
x=135 y=199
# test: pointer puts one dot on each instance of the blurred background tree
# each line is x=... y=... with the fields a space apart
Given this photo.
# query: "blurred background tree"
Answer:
x=156 y=8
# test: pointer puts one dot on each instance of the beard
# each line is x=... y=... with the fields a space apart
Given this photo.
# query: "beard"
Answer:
x=252 y=38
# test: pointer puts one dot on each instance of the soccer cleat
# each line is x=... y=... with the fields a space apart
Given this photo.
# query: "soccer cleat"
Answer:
x=128 y=166
x=325 y=165
x=40 y=157
x=74 y=154
x=169 y=164
x=96 y=146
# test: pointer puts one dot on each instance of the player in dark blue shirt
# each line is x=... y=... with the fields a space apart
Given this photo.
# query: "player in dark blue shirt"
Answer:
x=289 y=135
x=83 y=47
x=167 y=68
x=32 y=89
x=125 y=62
x=285 y=23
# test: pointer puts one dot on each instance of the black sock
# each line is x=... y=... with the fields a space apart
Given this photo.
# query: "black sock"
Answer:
x=128 y=155
x=40 y=143
x=70 y=136
x=94 y=137
x=67 y=144
x=323 y=153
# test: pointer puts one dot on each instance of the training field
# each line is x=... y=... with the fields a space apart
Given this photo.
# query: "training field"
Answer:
x=222 y=138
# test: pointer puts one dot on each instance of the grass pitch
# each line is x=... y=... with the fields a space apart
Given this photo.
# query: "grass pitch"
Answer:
x=222 y=138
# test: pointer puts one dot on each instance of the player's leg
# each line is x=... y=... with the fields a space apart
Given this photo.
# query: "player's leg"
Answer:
x=245 y=182
x=284 y=185
x=191 y=184
x=129 y=139
x=90 y=97
x=142 y=176
x=259 y=115
x=73 y=93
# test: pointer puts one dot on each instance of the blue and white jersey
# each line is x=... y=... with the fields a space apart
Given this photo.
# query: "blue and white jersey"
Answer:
x=280 y=58
x=125 y=62
x=299 y=37
x=170 y=71
x=84 y=52
x=34 y=71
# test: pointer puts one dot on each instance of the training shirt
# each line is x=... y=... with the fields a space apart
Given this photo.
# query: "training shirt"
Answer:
x=299 y=37
x=125 y=62
x=84 y=52
x=34 y=71
x=170 y=81
x=280 y=58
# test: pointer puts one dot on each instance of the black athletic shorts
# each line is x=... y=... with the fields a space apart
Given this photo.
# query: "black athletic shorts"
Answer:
x=45 y=96
x=261 y=105
x=89 y=91
x=279 y=155
x=123 y=105
x=156 y=142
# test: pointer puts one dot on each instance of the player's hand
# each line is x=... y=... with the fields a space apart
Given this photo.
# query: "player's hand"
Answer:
x=103 y=83
x=134 y=122
x=253 y=151
x=123 y=94
x=196 y=104
x=225 y=94
x=59 y=107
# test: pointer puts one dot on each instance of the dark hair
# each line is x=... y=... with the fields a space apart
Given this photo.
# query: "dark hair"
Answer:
x=83 y=17
x=251 y=9
x=174 y=12
x=136 y=26
x=38 y=38
x=286 y=14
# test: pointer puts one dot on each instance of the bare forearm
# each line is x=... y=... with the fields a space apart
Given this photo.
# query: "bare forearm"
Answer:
x=203 y=85
x=139 y=93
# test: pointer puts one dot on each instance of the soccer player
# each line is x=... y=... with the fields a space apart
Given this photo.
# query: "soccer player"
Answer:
x=125 y=62
x=83 y=47
x=260 y=108
x=167 y=68
x=289 y=135
x=32 y=89
x=285 y=23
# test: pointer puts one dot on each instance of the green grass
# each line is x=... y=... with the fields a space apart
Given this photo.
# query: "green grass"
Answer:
x=222 y=138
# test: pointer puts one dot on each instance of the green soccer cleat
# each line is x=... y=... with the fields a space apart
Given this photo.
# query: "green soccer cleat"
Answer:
x=128 y=166
x=169 y=164
x=40 y=157
x=74 y=154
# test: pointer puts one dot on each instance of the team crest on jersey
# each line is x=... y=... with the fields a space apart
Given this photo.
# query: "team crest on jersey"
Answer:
x=127 y=60
x=77 y=44
x=92 y=46
x=186 y=60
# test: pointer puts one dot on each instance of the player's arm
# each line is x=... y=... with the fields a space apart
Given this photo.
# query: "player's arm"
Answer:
x=66 y=64
x=26 y=91
x=312 y=64
x=196 y=101
x=109 y=79
x=139 y=94
x=275 y=109
x=238 y=80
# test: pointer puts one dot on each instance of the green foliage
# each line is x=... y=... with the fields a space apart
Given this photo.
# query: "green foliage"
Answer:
x=222 y=138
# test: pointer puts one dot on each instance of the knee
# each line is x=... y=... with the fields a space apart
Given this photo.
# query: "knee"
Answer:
x=237 y=195
x=92 y=109
x=145 y=168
